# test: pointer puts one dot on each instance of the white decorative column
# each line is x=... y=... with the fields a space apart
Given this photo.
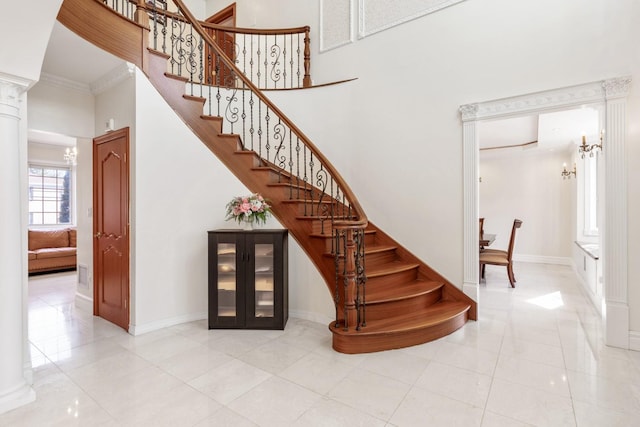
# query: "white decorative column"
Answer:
x=615 y=230
x=14 y=388
x=470 y=166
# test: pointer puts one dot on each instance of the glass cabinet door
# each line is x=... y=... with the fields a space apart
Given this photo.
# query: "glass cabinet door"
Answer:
x=264 y=278
x=227 y=280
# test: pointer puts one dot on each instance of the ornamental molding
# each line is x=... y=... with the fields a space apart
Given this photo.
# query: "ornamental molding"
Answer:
x=11 y=88
x=617 y=88
x=588 y=93
x=112 y=78
x=64 y=83
x=10 y=94
x=469 y=112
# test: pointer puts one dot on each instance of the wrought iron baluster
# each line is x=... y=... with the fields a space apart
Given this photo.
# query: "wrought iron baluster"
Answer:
x=305 y=178
x=260 y=128
x=298 y=73
x=297 y=167
x=290 y=162
x=266 y=120
x=252 y=128
x=291 y=60
x=258 y=73
x=218 y=83
x=311 y=175
x=284 y=62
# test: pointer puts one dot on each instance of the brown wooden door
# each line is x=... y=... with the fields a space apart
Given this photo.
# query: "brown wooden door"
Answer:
x=111 y=227
x=219 y=74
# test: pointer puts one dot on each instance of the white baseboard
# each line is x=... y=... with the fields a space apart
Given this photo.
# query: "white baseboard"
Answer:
x=634 y=340
x=541 y=259
x=313 y=317
x=471 y=290
x=165 y=323
x=16 y=398
x=84 y=302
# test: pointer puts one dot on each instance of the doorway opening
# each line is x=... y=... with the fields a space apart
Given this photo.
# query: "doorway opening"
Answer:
x=613 y=95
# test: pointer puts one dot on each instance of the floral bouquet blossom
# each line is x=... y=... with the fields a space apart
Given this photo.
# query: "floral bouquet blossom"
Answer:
x=248 y=209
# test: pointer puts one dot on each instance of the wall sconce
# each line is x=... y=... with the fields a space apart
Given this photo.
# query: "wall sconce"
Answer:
x=586 y=148
x=70 y=155
x=567 y=174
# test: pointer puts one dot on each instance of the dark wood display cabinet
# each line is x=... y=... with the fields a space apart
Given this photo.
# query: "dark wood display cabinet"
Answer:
x=248 y=279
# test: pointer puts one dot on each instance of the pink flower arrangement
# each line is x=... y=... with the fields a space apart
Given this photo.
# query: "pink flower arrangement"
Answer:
x=252 y=208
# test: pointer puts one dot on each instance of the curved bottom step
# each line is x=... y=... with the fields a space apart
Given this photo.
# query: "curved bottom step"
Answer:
x=436 y=321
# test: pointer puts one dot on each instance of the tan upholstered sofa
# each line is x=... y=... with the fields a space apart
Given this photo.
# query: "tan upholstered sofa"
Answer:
x=51 y=250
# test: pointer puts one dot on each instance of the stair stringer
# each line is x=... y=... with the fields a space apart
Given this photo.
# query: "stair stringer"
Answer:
x=247 y=167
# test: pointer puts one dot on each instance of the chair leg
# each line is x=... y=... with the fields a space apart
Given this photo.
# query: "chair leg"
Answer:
x=484 y=266
x=510 y=274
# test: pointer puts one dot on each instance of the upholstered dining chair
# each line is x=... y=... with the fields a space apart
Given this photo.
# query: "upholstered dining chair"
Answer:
x=500 y=257
x=481 y=230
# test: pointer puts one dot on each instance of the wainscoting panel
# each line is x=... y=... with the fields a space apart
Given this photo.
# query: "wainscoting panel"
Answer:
x=335 y=23
x=378 y=15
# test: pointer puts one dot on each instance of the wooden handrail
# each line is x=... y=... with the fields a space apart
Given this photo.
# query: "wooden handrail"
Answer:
x=361 y=220
x=258 y=31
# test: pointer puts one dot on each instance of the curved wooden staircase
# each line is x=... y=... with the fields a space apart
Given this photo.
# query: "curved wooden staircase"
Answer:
x=404 y=303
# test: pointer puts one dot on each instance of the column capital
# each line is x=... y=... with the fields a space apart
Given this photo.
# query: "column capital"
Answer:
x=10 y=91
x=616 y=88
x=469 y=112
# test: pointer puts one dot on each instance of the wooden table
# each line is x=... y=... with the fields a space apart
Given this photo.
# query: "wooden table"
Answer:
x=487 y=239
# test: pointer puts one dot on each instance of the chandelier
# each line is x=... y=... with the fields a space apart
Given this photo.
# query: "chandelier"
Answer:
x=567 y=173
x=70 y=155
x=589 y=148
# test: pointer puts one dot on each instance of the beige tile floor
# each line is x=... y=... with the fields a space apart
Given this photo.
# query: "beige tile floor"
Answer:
x=535 y=357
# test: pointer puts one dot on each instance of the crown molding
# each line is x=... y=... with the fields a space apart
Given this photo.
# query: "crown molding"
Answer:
x=112 y=78
x=53 y=80
x=588 y=93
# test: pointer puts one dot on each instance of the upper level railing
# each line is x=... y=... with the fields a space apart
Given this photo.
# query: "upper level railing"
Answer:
x=270 y=58
x=230 y=92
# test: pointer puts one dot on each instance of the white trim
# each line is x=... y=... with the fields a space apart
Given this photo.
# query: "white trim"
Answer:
x=542 y=259
x=17 y=398
x=613 y=94
x=53 y=80
x=165 y=323
x=112 y=78
x=597 y=302
x=84 y=302
x=323 y=47
x=634 y=340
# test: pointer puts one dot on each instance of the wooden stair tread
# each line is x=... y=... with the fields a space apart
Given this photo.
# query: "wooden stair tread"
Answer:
x=369 y=249
x=438 y=313
x=389 y=268
x=326 y=200
x=404 y=291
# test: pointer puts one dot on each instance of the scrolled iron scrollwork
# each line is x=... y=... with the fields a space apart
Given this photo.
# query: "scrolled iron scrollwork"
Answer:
x=276 y=51
x=184 y=48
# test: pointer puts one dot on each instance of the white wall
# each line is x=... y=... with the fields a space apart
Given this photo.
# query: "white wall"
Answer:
x=23 y=48
x=58 y=109
x=404 y=121
x=180 y=192
x=526 y=184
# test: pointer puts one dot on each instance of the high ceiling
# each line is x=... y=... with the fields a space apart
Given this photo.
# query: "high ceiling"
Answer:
x=72 y=58
x=75 y=59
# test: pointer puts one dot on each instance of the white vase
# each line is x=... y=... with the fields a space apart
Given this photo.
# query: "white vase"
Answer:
x=246 y=225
